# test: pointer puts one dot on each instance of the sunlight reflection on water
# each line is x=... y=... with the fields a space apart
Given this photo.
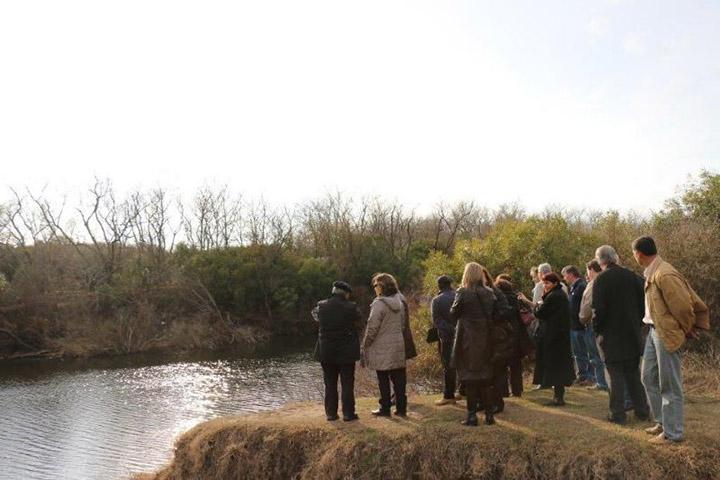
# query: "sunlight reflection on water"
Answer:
x=110 y=422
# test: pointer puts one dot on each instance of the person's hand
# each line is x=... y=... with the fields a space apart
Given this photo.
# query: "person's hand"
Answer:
x=521 y=296
x=693 y=334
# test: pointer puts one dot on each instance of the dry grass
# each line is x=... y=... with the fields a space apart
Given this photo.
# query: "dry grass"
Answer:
x=530 y=441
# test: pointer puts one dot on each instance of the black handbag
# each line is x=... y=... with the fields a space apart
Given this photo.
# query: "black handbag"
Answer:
x=410 y=350
x=432 y=335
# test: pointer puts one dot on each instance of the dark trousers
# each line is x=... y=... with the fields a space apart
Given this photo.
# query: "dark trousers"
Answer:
x=449 y=375
x=516 y=379
x=399 y=381
x=626 y=375
x=346 y=372
x=480 y=394
x=500 y=387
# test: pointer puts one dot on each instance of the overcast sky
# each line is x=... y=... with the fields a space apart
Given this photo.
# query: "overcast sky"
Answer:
x=601 y=104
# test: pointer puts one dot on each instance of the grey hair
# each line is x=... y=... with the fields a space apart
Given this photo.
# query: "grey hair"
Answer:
x=544 y=268
x=336 y=290
x=606 y=255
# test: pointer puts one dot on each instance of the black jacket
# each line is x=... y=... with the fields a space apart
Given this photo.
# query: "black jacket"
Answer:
x=619 y=306
x=338 y=335
x=519 y=343
x=440 y=309
x=553 y=358
x=575 y=298
x=472 y=355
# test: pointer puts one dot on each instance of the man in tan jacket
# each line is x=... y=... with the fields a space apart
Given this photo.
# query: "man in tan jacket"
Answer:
x=674 y=312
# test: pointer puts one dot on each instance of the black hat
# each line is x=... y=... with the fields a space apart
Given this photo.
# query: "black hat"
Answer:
x=340 y=285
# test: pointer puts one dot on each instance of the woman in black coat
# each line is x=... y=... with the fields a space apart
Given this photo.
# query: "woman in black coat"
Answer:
x=474 y=308
x=553 y=358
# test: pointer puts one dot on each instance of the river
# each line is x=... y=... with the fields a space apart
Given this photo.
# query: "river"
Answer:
x=111 y=417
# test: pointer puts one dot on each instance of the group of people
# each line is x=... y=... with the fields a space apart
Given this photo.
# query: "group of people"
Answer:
x=386 y=345
x=579 y=327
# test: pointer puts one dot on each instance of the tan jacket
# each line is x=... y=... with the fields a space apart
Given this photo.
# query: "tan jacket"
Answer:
x=586 y=311
x=674 y=306
x=384 y=344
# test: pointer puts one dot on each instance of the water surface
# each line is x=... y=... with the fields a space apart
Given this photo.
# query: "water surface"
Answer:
x=108 y=418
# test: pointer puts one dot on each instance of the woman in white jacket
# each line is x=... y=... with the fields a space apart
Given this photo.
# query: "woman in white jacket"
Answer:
x=384 y=346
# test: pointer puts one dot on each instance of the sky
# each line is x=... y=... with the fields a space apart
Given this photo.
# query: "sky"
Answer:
x=607 y=104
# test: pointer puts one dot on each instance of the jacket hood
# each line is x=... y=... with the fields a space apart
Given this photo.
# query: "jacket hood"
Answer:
x=394 y=302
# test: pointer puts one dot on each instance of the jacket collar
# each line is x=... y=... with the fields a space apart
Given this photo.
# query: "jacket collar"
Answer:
x=652 y=268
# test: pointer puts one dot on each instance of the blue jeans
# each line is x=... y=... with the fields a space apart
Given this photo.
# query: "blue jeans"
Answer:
x=662 y=378
x=595 y=359
x=579 y=350
x=587 y=357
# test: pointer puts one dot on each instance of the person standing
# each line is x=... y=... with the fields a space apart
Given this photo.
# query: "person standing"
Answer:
x=673 y=312
x=445 y=324
x=474 y=308
x=553 y=357
x=539 y=289
x=383 y=346
x=521 y=344
x=338 y=348
x=619 y=305
x=571 y=275
x=585 y=316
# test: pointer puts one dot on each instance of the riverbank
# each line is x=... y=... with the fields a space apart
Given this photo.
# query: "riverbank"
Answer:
x=529 y=441
x=184 y=337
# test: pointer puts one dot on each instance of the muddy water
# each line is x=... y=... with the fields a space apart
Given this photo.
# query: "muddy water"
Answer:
x=100 y=419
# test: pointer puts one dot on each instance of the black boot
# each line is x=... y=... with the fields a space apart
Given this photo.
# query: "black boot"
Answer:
x=489 y=418
x=558 y=397
x=381 y=412
x=471 y=420
x=490 y=408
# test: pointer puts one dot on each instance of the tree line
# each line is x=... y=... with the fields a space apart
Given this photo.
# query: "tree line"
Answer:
x=143 y=270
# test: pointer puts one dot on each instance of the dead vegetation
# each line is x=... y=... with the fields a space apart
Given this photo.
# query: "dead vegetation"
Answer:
x=530 y=441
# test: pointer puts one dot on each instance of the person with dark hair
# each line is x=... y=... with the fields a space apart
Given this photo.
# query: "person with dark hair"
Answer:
x=474 y=308
x=619 y=305
x=673 y=312
x=585 y=373
x=504 y=276
x=585 y=316
x=553 y=357
x=338 y=348
x=383 y=346
x=520 y=343
x=445 y=324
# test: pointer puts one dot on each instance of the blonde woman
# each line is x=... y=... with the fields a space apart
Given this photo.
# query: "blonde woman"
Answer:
x=474 y=308
x=384 y=345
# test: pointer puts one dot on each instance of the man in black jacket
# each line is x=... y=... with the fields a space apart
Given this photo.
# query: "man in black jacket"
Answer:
x=338 y=348
x=442 y=320
x=619 y=305
x=585 y=371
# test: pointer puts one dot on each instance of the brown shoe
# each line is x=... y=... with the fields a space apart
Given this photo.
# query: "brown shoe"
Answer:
x=654 y=430
x=662 y=440
x=445 y=401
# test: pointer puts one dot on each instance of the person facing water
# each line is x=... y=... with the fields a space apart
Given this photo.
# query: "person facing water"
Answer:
x=383 y=346
x=338 y=348
x=474 y=308
x=445 y=325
